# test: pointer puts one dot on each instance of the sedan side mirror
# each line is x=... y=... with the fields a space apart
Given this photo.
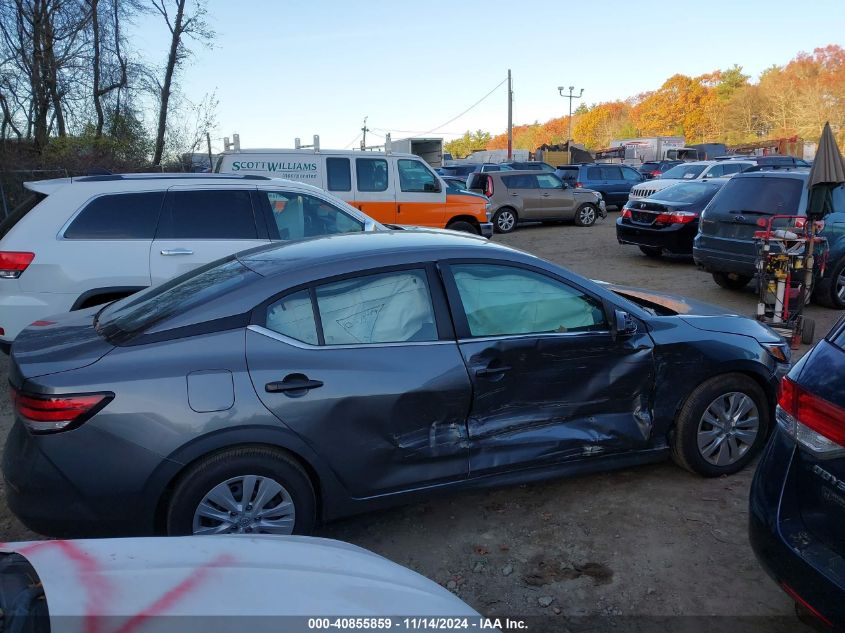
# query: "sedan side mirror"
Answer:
x=563 y=185
x=625 y=324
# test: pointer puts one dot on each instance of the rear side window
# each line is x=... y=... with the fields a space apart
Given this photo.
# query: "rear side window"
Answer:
x=293 y=316
x=371 y=174
x=384 y=308
x=734 y=168
x=338 y=174
x=208 y=215
x=185 y=292
x=519 y=182
x=15 y=216
x=767 y=196
x=594 y=173
x=126 y=216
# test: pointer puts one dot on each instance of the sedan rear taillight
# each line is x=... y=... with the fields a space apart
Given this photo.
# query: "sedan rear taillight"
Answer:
x=676 y=217
x=813 y=422
x=50 y=414
x=12 y=264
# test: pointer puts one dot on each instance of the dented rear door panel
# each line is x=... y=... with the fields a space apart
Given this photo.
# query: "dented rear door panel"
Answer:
x=564 y=397
x=387 y=417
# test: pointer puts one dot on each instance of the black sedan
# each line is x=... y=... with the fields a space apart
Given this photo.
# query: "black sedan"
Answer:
x=667 y=221
x=798 y=492
x=315 y=379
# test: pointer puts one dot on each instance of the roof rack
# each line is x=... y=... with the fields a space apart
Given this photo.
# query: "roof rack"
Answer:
x=109 y=177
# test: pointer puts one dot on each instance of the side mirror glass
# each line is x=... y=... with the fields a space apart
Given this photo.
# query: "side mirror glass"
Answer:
x=625 y=324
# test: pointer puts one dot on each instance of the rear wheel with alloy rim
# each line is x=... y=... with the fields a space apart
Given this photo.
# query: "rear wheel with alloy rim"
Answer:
x=249 y=490
x=505 y=220
x=721 y=426
x=586 y=215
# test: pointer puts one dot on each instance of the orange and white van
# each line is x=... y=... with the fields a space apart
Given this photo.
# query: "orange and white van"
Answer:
x=389 y=187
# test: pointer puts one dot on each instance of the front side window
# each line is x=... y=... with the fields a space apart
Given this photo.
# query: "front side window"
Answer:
x=632 y=175
x=549 y=181
x=126 y=216
x=383 y=308
x=503 y=300
x=715 y=171
x=338 y=174
x=734 y=168
x=208 y=215
x=298 y=216
x=415 y=177
x=371 y=174
x=293 y=316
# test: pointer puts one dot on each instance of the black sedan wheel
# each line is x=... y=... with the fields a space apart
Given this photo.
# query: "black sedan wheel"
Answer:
x=731 y=281
x=721 y=426
x=652 y=251
x=253 y=490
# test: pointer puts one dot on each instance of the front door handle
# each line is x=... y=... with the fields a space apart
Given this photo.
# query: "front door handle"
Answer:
x=545 y=195
x=177 y=251
x=492 y=371
x=293 y=383
x=515 y=195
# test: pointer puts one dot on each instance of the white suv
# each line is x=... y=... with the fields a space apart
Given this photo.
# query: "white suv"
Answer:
x=697 y=170
x=80 y=242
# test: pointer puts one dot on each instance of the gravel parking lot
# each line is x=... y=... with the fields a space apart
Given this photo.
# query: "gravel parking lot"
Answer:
x=650 y=541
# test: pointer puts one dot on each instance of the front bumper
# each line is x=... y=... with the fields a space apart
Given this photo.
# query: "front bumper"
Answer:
x=486 y=229
x=676 y=238
x=52 y=487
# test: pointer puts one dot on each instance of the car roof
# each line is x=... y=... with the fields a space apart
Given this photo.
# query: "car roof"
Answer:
x=407 y=245
x=798 y=173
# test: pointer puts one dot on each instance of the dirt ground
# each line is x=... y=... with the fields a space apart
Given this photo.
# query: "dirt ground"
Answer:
x=650 y=541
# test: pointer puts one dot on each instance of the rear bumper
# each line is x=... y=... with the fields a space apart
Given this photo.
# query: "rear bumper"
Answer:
x=486 y=229
x=723 y=261
x=784 y=547
x=52 y=489
x=675 y=238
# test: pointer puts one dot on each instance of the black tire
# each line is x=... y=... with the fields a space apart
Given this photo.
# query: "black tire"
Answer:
x=465 y=227
x=827 y=291
x=684 y=439
x=652 y=251
x=731 y=281
x=808 y=330
x=586 y=214
x=505 y=220
x=217 y=468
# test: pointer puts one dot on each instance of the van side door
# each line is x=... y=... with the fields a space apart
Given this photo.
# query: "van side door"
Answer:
x=420 y=198
x=375 y=189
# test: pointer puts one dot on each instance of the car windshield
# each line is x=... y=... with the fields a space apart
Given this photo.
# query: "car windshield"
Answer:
x=140 y=311
x=684 y=172
x=769 y=196
x=687 y=192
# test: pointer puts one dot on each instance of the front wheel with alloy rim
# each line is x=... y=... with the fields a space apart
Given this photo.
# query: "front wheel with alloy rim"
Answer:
x=721 y=426
x=586 y=215
x=504 y=221
x=246 y=490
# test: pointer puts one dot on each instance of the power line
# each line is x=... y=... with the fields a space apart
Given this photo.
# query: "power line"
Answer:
x=350 y=143
x=455 y=118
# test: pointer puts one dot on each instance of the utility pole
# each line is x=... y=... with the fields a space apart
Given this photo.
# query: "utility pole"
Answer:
x=364 y=129
x=510 y=116
x=570 y=96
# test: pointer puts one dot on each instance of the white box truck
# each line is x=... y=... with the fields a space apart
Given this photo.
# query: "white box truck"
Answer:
x=640 y=150
x=429 y=149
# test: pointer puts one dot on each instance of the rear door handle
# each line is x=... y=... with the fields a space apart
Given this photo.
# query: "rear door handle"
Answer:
x=293 y=383
x=492 y=371
x=177 y=251
x=514 y=195
x=545 y=195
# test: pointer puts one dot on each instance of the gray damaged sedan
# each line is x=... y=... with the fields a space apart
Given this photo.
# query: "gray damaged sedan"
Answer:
x=301 y=382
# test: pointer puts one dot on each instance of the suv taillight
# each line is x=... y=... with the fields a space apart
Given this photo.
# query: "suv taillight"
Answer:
x=12 y=264
x=50 y=414
x=488 y=187
x=813 y=422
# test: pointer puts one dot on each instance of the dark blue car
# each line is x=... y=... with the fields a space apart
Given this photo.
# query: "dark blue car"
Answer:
x=613 y=181
x=798 y=494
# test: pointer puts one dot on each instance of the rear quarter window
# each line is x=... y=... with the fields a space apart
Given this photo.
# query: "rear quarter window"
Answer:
x=17 y=214
x=126 y=216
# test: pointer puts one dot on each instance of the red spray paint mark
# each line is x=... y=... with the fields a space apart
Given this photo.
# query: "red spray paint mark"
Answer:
x=170 y=598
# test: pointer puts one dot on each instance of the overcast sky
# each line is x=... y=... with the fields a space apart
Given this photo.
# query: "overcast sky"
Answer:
x=285 y=69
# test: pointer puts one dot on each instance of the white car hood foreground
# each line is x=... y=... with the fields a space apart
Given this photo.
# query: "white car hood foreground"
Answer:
x=223 y=576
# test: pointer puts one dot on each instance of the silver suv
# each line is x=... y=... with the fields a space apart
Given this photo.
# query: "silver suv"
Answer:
x=517 y=196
